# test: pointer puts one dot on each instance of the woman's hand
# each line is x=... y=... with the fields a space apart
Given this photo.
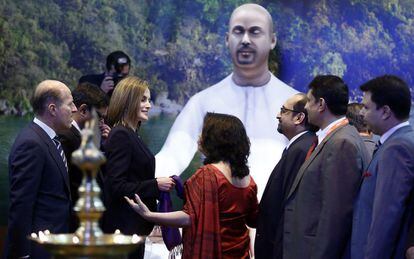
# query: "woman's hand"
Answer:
x=138 y=206
x=410 y=253
x=165 y=184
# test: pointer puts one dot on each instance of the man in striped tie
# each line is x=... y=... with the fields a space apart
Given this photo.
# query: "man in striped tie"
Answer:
x=38 y=175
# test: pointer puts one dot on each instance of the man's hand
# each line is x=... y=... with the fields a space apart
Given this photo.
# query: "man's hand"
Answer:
x=165 y=184
x=107 y=84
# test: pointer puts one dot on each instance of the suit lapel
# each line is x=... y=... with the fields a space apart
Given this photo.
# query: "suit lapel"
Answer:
x=309 y=161
x=398 y=132
x=141 y=145
x=53 y=153
x=277 y=170
x=75 y=131
x=283 y=158
x=281 y=164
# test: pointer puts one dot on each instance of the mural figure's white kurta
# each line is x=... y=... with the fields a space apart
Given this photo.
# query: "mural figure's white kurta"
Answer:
x=256 y=107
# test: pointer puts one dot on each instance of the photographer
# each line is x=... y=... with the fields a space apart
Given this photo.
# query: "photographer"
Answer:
x=117 y=67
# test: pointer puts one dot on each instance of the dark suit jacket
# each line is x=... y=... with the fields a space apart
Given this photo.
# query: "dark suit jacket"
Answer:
x=95 y=79
x=39 y=191
x=318 y=212
x=71 y=140
x=269 y=232
x=130 y=169
x=384 y=208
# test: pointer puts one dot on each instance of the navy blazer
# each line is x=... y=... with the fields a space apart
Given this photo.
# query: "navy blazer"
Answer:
x=384 y=208
x=269 y=232
x=71 y=140
x=39 y=191
x=130 y=169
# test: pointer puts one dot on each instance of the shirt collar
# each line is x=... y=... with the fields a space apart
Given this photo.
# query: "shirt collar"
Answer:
x=322 y=133
x=389 y=132
x=252 y=86
x=76 y=125
x=49 y=131
x=295 y=138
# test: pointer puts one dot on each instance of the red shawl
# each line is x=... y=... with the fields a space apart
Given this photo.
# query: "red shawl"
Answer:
x=202 y=238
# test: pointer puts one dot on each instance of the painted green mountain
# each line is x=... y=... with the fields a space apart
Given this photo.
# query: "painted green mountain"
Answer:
x=179 y=45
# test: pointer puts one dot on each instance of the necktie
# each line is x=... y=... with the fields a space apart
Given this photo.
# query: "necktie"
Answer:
x=377 y=146
x=312 y=148
x=60 y=151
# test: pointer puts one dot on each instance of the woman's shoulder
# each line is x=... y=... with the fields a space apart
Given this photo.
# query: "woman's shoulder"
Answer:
x=120 y=134
x=121 y=131
x=202 y=172
x=253 y=184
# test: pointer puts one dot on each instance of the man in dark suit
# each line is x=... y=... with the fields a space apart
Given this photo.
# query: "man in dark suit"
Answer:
x=384 y=208
x=318 y=211
x=117 y=67
x=39 y=180
x=293 y=124
x=85 y=97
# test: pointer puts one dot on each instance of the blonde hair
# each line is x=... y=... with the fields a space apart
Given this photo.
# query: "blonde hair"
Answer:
x=125 y=100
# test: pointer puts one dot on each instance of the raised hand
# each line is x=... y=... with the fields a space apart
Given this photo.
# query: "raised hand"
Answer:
x=107 y=84
x=138 y=206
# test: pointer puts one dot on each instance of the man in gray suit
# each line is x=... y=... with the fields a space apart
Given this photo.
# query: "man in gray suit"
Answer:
x=384 y=208
x=318 y=211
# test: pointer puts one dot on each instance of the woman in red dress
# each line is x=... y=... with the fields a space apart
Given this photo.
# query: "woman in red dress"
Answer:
x=220 y=198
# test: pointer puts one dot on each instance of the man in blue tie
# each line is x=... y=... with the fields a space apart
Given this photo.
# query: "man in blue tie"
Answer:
x=38 y=176
x=384 y=208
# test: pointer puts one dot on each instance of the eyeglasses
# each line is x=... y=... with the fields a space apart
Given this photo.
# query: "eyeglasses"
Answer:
x=284 y=110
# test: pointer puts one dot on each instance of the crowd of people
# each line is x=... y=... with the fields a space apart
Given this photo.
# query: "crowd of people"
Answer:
x=303 y=169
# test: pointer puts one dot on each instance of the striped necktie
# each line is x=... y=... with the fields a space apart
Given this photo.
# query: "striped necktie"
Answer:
x=60 y=151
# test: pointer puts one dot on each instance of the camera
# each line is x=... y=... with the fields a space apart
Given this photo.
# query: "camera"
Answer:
x=116 y=77
x=118 y=64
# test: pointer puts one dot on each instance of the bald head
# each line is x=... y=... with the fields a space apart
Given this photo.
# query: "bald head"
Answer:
x=256 y=9
x=46 y=92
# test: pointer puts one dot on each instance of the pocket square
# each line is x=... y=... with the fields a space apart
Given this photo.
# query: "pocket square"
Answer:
x=366 y=174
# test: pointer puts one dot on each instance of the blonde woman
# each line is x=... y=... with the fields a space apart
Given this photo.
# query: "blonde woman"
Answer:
x=130 y=167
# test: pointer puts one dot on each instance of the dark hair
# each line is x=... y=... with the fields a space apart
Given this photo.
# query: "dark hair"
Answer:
x=392 y=91
x=224 y=139
x=41 y=99
x=299 y=106
x=333 y=90
x=355 y=118
x=89 y=94
x=117 y=58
